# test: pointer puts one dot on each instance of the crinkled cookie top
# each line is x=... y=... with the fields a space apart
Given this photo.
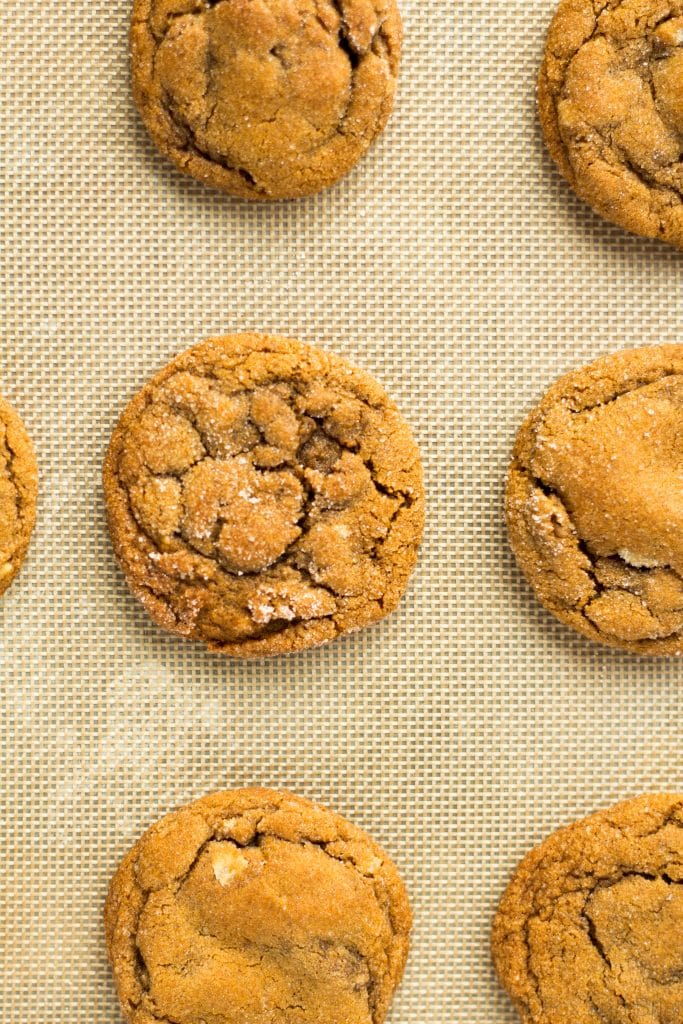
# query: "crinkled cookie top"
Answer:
x=264 y=496
x=18 y=493
x=267 y=99
x=589 y=929
x=611 y=104
x=255 y=907
x=595 y=499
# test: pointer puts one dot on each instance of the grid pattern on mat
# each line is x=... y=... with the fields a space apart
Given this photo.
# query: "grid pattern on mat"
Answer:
x=110 y=263
x=551 y=726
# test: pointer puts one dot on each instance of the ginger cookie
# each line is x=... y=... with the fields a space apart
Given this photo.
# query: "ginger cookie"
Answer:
x=611 y=106
x=594 y=500
x=254 y=906
x=589 y=929
x=264 y=496
x=265 y=99
x=18 y=493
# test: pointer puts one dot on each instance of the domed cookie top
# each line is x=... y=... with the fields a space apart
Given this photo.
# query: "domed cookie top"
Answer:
x=595 y=499
x=611 y=105
x=266 y=99
x=589 y=929
x=18 y=493
x=264 y=496
x=253 y=906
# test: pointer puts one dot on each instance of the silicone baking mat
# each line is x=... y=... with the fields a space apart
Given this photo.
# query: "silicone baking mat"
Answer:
x=111 y=263
x=456 y=266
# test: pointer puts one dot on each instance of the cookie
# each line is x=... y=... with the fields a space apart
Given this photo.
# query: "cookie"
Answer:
x=594 y=501
x=264 y=496
x=254 y=906
x=611 y=106
x=18 y=493
x=589 y=929
x=265 y=99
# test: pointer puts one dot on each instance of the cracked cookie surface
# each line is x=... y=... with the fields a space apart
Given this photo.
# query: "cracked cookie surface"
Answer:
x=589 y=929
x=594 y=502
x=264 y=496
x=265 y=99
x=18 y=493
x=253 y=907
x=611 y=106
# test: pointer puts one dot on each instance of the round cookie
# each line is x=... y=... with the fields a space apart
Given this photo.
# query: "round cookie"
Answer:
x=611 y=106
x=264 y=496
x=589 y=929
x=265 y=99
x=18 y=493
x=594 y=501
x=252 y=906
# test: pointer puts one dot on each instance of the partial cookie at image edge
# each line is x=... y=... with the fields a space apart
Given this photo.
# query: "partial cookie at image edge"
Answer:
x=609 y=109
x=591 y=505
x=585 y=928
x=245 y=878
x=18 y=493
x=271 y=106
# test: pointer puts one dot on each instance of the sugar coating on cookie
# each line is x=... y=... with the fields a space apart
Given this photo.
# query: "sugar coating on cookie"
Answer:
x=254 y=906
x=611 y=106
x=594 y=500
x=589 y=929
x=264 y=496
x=265 y=99
x=18 y=493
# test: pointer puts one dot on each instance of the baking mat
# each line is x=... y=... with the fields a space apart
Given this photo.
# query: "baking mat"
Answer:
x=456 y=266
x=111 y=263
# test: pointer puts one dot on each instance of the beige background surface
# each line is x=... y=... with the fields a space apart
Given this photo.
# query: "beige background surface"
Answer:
x=112 y=263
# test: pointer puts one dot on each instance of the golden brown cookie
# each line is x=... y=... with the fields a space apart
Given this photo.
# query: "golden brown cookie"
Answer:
x=611 y=106
x=589 y=929
x=266 y=99
x=264 y=496
x=255 y=906
x=594 y=500
x=18 y=493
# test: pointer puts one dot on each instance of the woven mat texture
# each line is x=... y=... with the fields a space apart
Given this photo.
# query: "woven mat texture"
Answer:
x=111 y=263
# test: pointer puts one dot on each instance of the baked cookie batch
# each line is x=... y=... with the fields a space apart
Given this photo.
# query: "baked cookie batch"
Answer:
x=264 y=497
